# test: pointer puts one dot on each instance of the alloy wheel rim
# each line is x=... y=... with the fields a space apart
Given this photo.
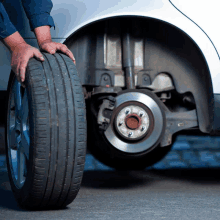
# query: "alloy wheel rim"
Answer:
x=18 y=135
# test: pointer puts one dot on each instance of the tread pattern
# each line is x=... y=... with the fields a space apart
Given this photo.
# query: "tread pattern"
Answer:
x=59 y=131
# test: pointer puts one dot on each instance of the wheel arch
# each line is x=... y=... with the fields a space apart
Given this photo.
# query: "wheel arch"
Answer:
x=167 y=49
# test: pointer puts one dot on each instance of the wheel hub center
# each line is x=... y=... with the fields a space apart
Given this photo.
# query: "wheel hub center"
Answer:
x=132 y=121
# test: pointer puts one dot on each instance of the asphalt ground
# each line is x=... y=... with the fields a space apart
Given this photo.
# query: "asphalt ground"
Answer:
x=184 y=185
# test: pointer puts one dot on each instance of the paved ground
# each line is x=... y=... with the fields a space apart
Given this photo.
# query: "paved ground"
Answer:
x=165 y=194
x=184 y=185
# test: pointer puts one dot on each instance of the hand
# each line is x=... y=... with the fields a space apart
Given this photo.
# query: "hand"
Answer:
x=52 y=47
x=20 y=57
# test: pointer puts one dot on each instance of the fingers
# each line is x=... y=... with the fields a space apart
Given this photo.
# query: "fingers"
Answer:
x=47 y=47
x=52 y=47
x=20 y=59
x=39 y=55
x=22 y=69
x=69 y=53
x=17 y=71
x=65 y=50
x=23 y=64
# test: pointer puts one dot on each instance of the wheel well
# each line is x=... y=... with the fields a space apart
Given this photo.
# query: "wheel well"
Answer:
x=157 y=47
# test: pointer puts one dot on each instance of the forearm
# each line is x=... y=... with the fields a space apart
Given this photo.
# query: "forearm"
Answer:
x=13 y=40
x=42 y=34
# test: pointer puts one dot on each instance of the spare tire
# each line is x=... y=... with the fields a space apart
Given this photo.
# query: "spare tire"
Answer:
x=46 y=133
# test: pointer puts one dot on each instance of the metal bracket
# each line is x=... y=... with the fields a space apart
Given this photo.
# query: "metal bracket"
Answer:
x=143 y=79
x=177 y=121
x=105 y=90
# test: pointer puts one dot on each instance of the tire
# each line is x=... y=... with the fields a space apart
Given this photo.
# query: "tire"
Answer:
x=53 y=161
x=103 y=151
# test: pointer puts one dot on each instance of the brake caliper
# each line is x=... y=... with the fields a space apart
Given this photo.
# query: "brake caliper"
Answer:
x=105 y=112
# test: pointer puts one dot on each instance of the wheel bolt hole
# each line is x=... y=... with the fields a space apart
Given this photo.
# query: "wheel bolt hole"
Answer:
x=141 y=114
x=120 y=124
x=127 y=111
x=130 y=134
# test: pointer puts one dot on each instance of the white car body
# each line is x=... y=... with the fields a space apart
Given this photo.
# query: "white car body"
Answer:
x=197 y=19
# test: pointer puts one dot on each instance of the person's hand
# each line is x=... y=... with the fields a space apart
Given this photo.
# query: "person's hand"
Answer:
x=20 y=57
x=52 y=47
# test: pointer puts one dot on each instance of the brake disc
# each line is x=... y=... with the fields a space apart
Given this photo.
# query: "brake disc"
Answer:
x=137 y=122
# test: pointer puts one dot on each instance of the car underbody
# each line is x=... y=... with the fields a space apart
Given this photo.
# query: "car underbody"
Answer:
x=132 y=66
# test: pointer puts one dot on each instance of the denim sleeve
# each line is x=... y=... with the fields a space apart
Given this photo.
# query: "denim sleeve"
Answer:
x=38 y=13
x=6 y=26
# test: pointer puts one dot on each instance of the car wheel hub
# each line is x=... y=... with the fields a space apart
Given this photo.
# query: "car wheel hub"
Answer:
x=136 y=124
x=132 y=122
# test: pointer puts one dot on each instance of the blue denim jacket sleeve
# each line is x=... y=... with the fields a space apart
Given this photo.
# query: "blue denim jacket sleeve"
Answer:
x=6 y=27
x=37 y=11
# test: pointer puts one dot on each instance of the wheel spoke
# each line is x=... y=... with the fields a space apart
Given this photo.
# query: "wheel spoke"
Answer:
x=25 y=139
x=20 y=166
x=17 y=96
x=24 y=108
x=18 y=134
x=25 y=143
x=12 y=139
